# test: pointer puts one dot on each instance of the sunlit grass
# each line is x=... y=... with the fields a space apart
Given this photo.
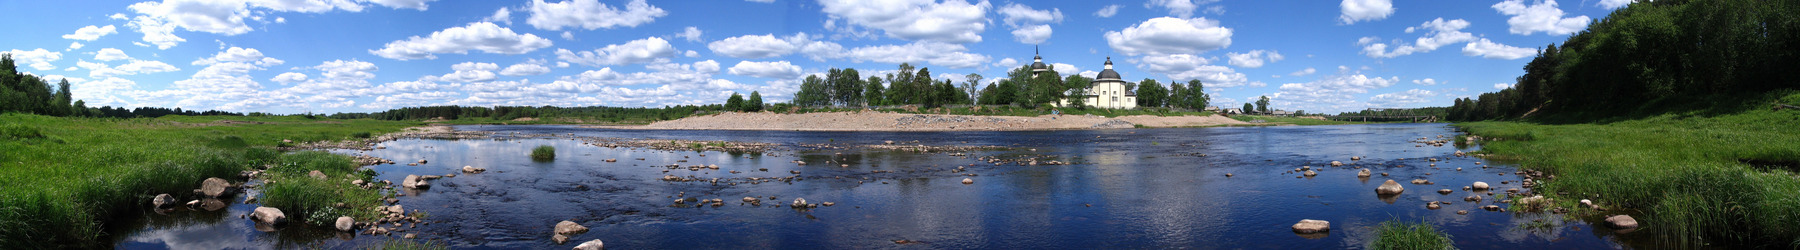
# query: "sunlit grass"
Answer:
x=543 y=153
x=1404 y=235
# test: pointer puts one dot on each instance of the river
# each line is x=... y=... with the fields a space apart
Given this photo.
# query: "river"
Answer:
x=1123 y=189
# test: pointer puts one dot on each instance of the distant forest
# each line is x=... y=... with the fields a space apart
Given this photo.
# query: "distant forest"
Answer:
x=1654 y=57
x=25 y=93
x=915 y=86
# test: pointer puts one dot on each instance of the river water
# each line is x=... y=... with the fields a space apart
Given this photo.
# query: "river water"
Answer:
x=1125 y=189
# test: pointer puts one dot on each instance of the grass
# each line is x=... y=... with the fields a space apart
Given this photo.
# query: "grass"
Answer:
x=1291 y=120
x=1699 y=180
x=543 y=153
x=65 y=177
x=403 y=244
x=1403 y=235
x=315 y=200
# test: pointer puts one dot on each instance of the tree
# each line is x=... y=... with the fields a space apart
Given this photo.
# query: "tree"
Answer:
x=735 y=103
x=969 y=85
x=1151 y=94
x=846 y=86
x=59 y=106
x=872 y=93
x=988 y=94
x=812 y=92
x=923 y=91
x=1262 y=105
x=756 y=102
x=1078 y=87
x=1249 y=109
x=1046 y=88
x=1194 y=96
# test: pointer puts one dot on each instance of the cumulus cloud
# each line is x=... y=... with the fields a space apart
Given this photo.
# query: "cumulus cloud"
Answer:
x=948 y=21
x=590 y=14
x=470 y=72
x=1365 y=10
x=1254 y=58
x=940 y=54
x=692 y=34
x=1543 y=16
x=91 y=33
x=289 y=78
x=775 y=69
x=74 y=46
x=110 y=54
x=636 y=51
x=503 y=15
x=1168 y=35
x=525 y=69
x=1401 y=99
x=1303 y=72
x=1185 y=8
x=158 y=20
x=758 y=46
x=1183 y=67
x=1614 y=4
x=37 y=59
x=1333 y=93
x=1438 y=32
x=1492 y=50
x=481 y=36
x=1007 y=63
x=1426 y=81
x=1107 y=11
x=1502 y=85
x=242 y=55
x=1030 y=26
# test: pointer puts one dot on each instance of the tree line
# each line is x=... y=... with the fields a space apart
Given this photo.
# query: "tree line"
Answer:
x=915 y=86
x=612 y=114
x=25 y=93
x=1654 y=57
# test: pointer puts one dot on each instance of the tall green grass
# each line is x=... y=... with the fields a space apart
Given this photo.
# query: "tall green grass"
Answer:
x=315 y=200
x=64 y=177
x=543 y=153
x=1700 y=180
x=1404 y=235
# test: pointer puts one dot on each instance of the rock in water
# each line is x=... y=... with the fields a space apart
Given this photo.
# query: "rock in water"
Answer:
x=473 y=169
x=345 y=223
x=396 y=209
x=799 y=203
x=1444 y=191
x=1432 y=206
x=1310 y=173
x=1390 y=187
x=215 y=187
x=1479 y=186
x=1337 y=164
x=591 y=245
x=570 y=228
x=967 y=181
x=1312 y=226
x=1621 y=222
x=1363 y=173
x=268 y=215
x=413 y=181
x=162 y=200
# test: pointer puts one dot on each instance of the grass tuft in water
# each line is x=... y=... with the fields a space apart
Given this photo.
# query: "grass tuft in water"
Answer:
x=1404 y=235
x=403 y=244
x=543 y=153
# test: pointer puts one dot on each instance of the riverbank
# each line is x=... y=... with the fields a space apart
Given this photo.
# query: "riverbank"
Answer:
x=1725 y=180
x=66 y=178
x=884 y=121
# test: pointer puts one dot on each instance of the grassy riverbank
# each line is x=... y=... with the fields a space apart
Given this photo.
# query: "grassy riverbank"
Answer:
x=1697 y=178
x=65 y=177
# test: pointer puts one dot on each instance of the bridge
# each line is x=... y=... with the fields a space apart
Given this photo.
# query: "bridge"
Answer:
x=1383 y=118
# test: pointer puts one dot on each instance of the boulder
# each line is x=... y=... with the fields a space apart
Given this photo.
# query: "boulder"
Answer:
x=162 y=200
x=1310 y=173
x=1461 y=212
x=345 y=223
x=1356 y=158
x=413 y=181
x=1363 y=173
x=1337 y=164
x=1444 y=191
x=569 y=228
x=1621 y=222
x=1472 y=198
x=268 y=215
x=798 y=203
x=1389 y=188
x=1586 y=202
x=1420 y=182
x=473 y=169
x=967 y=181
x=1312 y=226
x=396 y=209
x=591 y=245
x=1491 y=207
x=215 y=187
x=316 y=174
x=1479 y=186
x=1432 y=206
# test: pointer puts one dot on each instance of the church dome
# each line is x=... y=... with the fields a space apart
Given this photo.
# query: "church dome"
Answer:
x=1108 y=73
x=1037 y=64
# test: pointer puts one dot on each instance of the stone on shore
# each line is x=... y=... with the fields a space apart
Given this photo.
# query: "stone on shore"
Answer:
x=1479 y=186
x=345 y=223
x=1621 y=222
x=316 y=174
x=1312 y=226
x=413 y=181
x=591 y=245
x=1389 y=188
x=162 y=200
x=215 y=187
x=268 y=215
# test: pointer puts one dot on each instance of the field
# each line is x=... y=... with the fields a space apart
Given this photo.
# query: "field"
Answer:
x=65 y=176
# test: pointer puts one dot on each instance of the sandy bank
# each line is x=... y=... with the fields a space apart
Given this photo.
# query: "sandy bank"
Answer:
x=879 y=121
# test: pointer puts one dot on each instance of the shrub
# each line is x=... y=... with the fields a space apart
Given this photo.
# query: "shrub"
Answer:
x=543 y=153
x=360 y=135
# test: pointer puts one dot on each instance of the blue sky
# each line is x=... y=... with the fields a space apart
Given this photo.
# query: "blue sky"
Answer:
x=323 y=56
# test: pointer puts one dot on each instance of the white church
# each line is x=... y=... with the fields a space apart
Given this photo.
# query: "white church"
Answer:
x=1107 y=91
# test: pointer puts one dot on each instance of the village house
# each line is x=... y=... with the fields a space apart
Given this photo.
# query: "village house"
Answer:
x=1107 y=91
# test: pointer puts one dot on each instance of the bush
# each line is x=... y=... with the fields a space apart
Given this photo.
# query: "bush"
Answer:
x=360 y=135
x=1402 y=235
x=543 y=153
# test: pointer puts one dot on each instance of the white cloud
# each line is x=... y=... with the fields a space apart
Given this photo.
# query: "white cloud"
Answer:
x=692 y=34
x=1303 y=72
x=74 y=46
x=1334 y=93
x=761 y=1
x=470 y=72
x=1007 y=63
x=156 y=32
x=217 y=17
x=691 y=53
x=1030 y=26
x=940 y=54
x=525 y=69
x=1184 y=8
x=1183 y=67
x=37 y=59
x=1543 y=16
x=636 y=51
x=1254 y=58
x=1365 y=10
x=243 y=55
x=776 y=69
x=1439 y=32
x=1426 y=82
x=1502 y=85
x=758 y=46
x=590 y=14
x=101 y=70
x=110 y=54
x=403 y=4
x=503 y=15
x=949 y=21
x=91 y=33
x=1107 y=11
x=482 y=36
x=1402 y=99
x=1492 y=50
x=1063 y=69
x=1614 y=4
x=289 y=78
x=1168 y=35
